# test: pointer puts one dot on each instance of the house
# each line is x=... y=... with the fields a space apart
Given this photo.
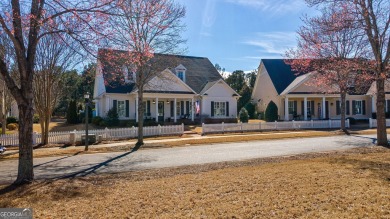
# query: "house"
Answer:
x=297 y=98
x=183 y=87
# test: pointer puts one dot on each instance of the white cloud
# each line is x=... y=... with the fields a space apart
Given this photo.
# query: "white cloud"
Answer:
x=273 y=6
x=272 y=43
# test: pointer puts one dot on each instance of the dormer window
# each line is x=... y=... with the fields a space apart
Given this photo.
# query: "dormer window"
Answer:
x=129 y=74
x=181 y=72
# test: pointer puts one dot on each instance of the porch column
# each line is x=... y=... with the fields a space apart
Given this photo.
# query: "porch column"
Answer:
x=323 y=108
x=286 y=116
x=305 y=108
x=156 y=109
x=136 y=108
x=174 y=111
x=192 y=109
x=373 y=110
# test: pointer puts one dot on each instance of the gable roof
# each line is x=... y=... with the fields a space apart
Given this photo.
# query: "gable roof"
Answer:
x=294 y=84
x=199 y=69
x=280 y=73
x=209 y=85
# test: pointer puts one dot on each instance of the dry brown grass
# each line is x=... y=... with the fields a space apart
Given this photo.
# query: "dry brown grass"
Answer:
x=352 y=184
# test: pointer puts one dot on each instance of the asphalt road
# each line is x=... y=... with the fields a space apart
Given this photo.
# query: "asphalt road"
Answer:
x=82 y=165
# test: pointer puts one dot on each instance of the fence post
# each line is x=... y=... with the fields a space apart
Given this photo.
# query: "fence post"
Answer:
x=241 y=127
x=276 y=125
x=133 y=131
x=106 y=133
x=34 y=138
x=330 y=123
x=312 y=124
x=370 y=122
x=202 y=129
x=223 y=127
x=182 y=128
x=72 y=138
x=348 y=123
x=259 y=125
x=293 y=122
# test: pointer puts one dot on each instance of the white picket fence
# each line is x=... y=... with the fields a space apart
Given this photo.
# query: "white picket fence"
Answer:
x=373 y=123
x=244 y=127
x=107 y=134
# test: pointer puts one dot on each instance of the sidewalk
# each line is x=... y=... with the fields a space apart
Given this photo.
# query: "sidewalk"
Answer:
x=192 y=139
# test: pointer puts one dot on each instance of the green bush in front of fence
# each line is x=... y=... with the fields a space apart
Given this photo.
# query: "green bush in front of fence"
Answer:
x=244 y=117
x=271 y=113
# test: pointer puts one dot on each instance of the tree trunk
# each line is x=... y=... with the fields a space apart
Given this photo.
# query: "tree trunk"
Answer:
x=342 y=107
x=380 y=112
x=25 y=169
x=47 y=123
x=42 y=124
x=140 y=141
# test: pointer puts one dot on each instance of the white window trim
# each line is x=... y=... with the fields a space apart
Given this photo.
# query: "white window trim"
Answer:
x=124 y=108
x=215 y=109
x=361 y=107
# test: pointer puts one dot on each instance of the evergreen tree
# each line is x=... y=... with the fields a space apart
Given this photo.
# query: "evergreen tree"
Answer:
x=271 y=113
x=71 y=115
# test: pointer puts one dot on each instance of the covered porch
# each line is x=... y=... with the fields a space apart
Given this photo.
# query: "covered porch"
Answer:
x=311 y=107
x=167 y=107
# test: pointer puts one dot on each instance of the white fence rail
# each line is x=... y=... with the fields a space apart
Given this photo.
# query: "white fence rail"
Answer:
x=107 y=134
x=373 y=123
x=245 y=127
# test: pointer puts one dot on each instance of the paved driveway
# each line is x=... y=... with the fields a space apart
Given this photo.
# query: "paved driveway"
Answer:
x=81 y=165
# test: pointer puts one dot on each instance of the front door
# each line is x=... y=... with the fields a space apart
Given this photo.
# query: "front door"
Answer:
x=161 y=111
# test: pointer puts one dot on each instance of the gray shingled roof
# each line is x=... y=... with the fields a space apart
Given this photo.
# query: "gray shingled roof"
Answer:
x=200 y=71
x=280 y=73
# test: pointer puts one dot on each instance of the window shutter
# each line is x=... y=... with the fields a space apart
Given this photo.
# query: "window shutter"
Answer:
x=172 y=109
x=114 y=104
x=187 y=107
x=347 y=107
x=127 y=108
x=312 y=110
x=212 y=108
x=227 y=108
x=295 y=107
x=182 y=107
x=364 y=107
x=353 y=107
x=148 y=107
x=302 y=107
x=338 y=108
x=387 y=105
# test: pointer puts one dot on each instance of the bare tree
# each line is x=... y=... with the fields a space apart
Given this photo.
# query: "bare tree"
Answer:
x=25 y=23
x=146 y=27
x=54 y=57
x=373 y=17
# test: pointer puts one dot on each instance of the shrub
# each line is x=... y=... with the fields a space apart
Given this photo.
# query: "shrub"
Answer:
x=71 y=114
x=271 y=113
x=251 y=108
x=352 y=121
x=36 y=118
x=244 y=115
x=112 y=118
x=12 y=126
x=150 y=123
x=11 y=119
x=96 y=120
x=102 y=123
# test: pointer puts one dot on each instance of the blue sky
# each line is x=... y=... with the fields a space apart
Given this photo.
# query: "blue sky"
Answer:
x=236 y=34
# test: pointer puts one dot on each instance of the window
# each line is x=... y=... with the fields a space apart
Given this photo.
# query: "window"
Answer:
x=358 y=107
x=178 y=108
x=219 y=109
x=121 y=108
x=309 y=107
x=146 y=105
x=180 y=74
x=291 y=107
x=129 y=74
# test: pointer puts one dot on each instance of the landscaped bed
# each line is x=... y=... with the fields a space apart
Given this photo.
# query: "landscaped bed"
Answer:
x=350 y=184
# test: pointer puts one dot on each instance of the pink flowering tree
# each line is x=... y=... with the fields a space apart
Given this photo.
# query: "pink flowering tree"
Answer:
x=333 y=50
x=143 y=28
x=24 y=23
x=372 y=17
